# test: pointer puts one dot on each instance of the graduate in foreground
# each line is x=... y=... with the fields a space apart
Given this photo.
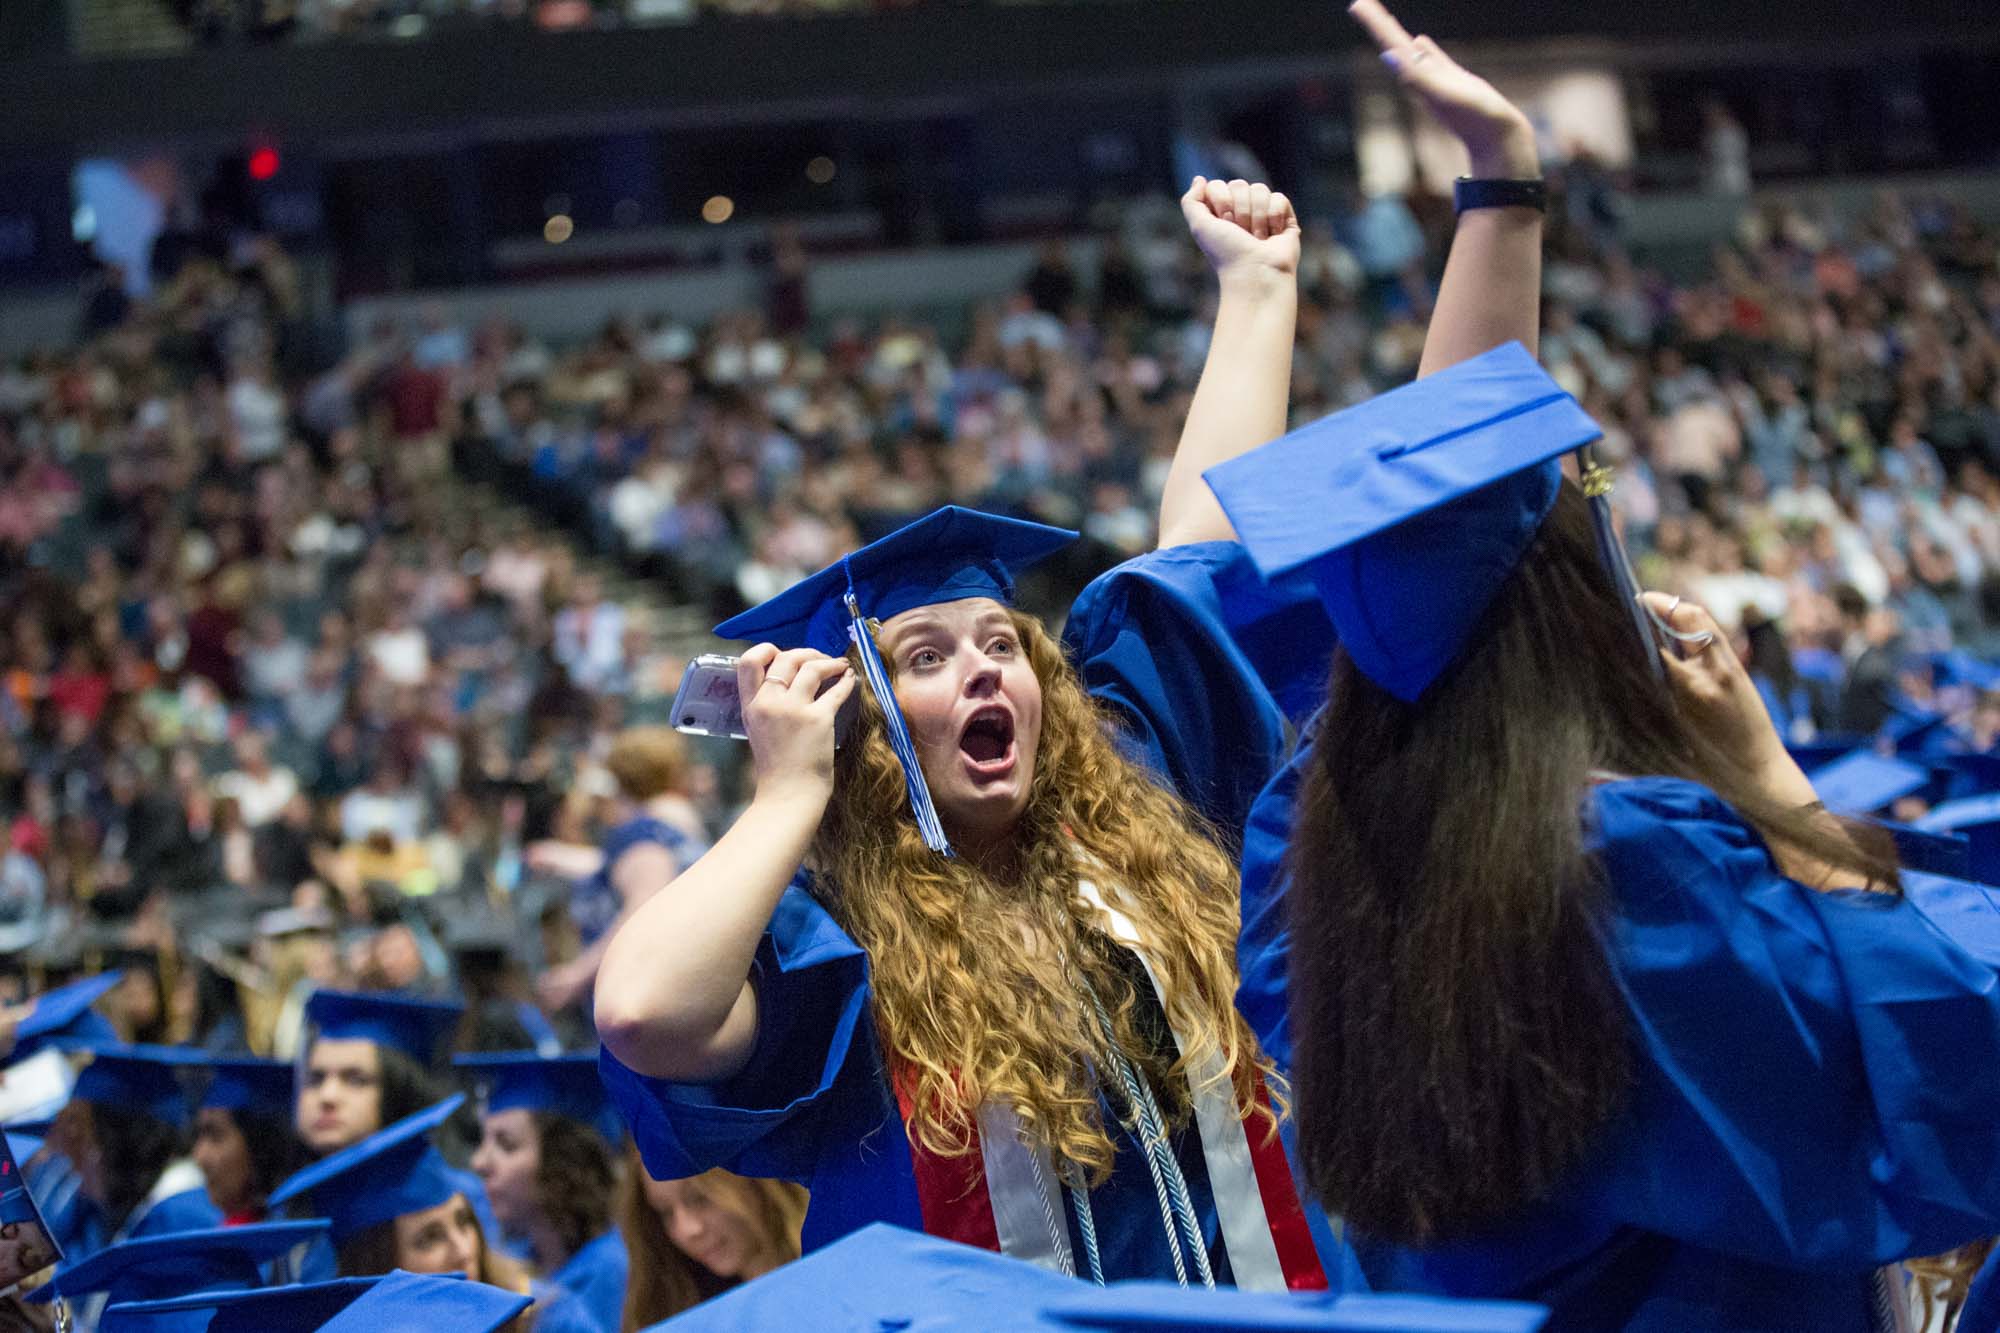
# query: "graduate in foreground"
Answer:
x=972 y=970
x=1589 y=1001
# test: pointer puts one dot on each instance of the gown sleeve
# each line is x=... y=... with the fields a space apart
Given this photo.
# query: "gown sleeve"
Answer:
x=1264 y=939
x=1199 y=659
x=1816 y=1074
x=811 y=1061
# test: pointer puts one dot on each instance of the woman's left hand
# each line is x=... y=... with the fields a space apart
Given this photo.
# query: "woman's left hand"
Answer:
x=1496 y=133
x=1720 y=700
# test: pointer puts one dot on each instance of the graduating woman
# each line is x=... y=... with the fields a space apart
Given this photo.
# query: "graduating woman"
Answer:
x=124 y=1130
x=244 y=1141
x=1590 y=1001
x=971 y=970
x=691 y=1240
x=548 y=1156
x=393 y=1202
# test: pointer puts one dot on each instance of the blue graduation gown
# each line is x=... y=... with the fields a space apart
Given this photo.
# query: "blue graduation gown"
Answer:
x=1812 y=1092
x=557 y=1309
x=1154 y=641
x=596 y=1275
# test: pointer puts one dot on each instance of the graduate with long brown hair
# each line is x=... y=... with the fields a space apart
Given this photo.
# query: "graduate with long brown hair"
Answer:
x=690 y=1240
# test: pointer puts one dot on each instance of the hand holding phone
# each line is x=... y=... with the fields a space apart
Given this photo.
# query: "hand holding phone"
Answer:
x=776 y=701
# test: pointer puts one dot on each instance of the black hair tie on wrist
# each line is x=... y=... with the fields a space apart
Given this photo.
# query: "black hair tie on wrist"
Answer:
x=1468 y=193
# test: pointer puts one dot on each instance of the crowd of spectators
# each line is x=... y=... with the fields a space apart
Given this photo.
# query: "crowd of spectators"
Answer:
x=263 y=644
x=219 y=22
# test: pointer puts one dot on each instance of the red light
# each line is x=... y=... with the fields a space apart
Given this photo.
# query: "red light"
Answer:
x=263 y=164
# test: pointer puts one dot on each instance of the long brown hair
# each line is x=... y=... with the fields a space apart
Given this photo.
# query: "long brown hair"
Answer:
x=1460 y=1039
x=372 y=1252
x=574 y=1180
x=979 y=982
x=663 y=1280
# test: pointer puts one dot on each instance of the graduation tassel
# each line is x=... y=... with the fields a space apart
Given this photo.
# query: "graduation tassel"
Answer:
x=1596 y=480
x=877 y=675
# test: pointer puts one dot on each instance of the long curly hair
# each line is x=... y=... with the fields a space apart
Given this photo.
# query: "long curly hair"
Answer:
x=982 y=984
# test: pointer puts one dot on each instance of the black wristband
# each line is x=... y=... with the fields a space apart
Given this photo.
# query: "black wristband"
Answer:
x=1467 y=193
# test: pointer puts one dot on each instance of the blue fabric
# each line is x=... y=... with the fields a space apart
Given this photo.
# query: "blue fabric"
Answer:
x=392 y=1172
x=1130 y=1307
x=300 y=1306
x=1411 y=509
x=1157 y=640
x=138 y=1078
x=558 y=1310
x=1865 y=781
x=884 y=1277
x=65 y=1014
x=597 y=1275
x=178 y=1263
x=813 y=1105
x=411 y=1024
x=948 y=555
x=564 y=1085
x=243 y=1083
x=594 y=904
x=1764 y=1167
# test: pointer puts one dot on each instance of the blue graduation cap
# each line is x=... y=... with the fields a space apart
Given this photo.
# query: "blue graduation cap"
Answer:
x=392 y=1172
x=1977 y=820
x=259 y=1310
x=948 y=555
x=138 y=1077
x=1864 y=782
x=880 y=1277
x=64 y=1017
x=408 y=1023
x=1413 y=508
x=397 y=1302
x=1913 y=729
x=180 y=1263
x=1971 y=774
x=246 y=1083
x=1958 y=667
x=565 y=1085
x=1162 y=1306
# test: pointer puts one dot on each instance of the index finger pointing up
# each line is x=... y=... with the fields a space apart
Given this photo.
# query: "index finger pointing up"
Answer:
x=1389 y=35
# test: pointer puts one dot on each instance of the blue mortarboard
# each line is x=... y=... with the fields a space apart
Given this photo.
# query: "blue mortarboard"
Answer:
x=409 y=1023
x=295 y=1306
x=1412 y=508
x=1864 y=782
x=246 y=1083
x=397 y=1302
x=566 y=1085
x=948 y=555
x=1971 y=774
x=1977 y=820
x=64 y=1017
x=138 y=1078
x=1816 y=754
x=392 y=1172
x=1161 y=1306
x=1959 y=667
x=1912 y=728
x=180 y=1263
x=879 y=1277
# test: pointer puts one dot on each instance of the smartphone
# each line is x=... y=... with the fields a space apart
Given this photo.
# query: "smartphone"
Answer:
x=707 y=703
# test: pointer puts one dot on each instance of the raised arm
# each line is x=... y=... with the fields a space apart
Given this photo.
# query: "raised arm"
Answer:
x=1492 y=288
x=673 y=997
x=1251 y=238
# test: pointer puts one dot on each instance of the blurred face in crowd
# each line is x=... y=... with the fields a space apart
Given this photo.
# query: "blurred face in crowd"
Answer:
x=223 y=1155
x=341 y=1100
x=507 y=1160
x=710 y=1229
x=444 y=1239
x=974 y=707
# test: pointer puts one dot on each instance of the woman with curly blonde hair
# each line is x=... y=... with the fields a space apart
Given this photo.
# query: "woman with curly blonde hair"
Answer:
x=972 y=969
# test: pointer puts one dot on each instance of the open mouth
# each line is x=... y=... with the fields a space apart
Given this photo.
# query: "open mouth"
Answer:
x=988 y=740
